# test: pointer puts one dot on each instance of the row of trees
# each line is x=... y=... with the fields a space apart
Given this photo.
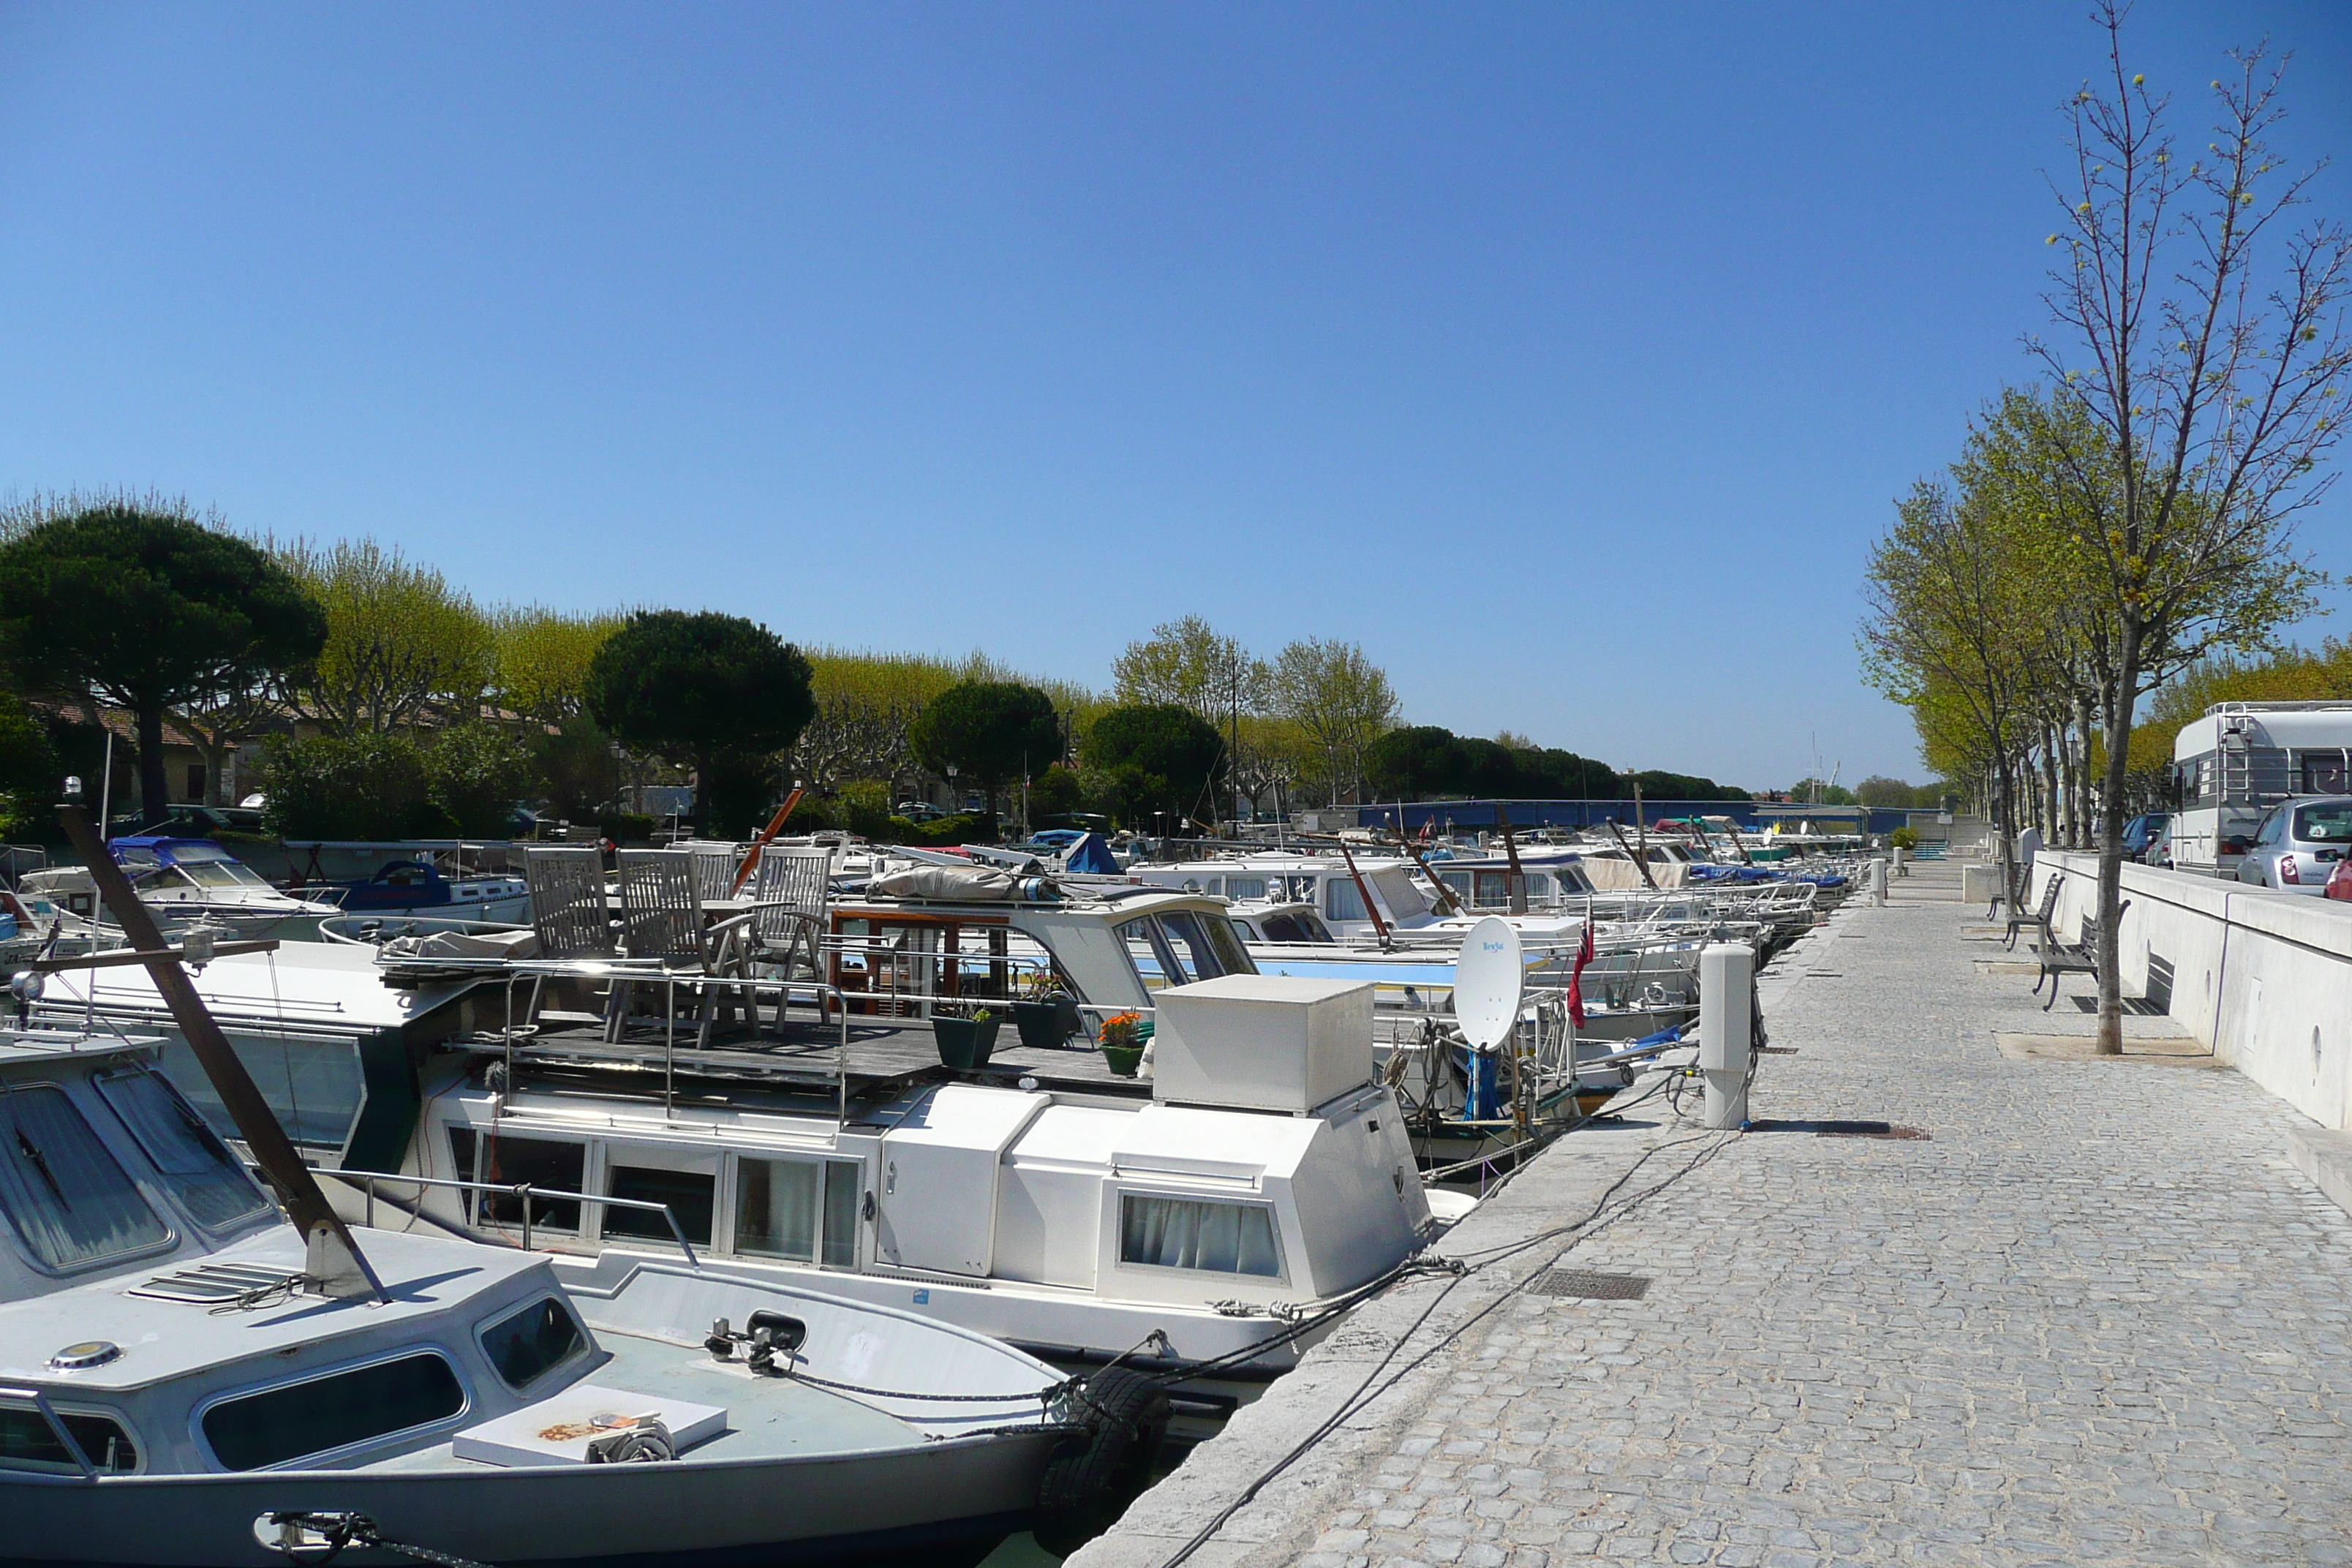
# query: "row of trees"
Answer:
x=2131 y=519
x=1421 y=760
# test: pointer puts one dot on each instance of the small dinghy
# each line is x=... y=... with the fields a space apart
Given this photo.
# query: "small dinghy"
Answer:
x=187 y=1378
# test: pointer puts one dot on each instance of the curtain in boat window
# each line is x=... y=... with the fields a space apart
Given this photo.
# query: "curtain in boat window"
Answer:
x=1341 y=902
x=1183 y=1233
x=205 y=1175
x=72 y=1202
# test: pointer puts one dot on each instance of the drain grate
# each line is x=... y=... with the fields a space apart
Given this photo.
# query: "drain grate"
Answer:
x=1590 y=1287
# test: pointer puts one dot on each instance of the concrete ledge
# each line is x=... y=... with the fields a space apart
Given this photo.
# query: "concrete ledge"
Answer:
x=2326 y=1156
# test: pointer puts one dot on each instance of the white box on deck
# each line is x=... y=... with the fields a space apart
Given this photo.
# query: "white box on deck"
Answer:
x=547 y=1433
x=1261 y=1042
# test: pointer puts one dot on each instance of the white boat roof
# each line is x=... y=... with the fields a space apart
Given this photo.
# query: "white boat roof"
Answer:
x=162 y=1339
x=330 y=984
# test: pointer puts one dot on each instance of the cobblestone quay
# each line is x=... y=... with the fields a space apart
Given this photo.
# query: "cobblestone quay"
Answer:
x=2093 y=1317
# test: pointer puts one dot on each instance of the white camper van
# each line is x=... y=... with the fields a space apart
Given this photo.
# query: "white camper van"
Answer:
x=2240 y=759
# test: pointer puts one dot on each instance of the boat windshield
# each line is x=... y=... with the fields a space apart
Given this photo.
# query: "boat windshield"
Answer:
x=222 y=873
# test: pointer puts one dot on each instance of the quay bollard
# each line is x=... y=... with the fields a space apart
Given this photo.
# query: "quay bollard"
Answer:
x=1727 y=974
x=1900 y=868
x=1878 y=884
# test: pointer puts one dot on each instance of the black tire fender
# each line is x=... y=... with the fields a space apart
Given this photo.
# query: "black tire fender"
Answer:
x=1098 y=1470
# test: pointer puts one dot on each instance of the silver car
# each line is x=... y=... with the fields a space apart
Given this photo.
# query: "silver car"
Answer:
x=2298 y=845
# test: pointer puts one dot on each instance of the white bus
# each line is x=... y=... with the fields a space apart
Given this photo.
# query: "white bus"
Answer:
x=2240 y=759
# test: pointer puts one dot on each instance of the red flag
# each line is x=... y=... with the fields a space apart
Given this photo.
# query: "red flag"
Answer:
x=1576 y=981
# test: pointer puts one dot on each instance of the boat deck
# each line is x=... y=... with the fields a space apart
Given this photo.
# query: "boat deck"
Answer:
x=883 y=1056
x=767 y=1417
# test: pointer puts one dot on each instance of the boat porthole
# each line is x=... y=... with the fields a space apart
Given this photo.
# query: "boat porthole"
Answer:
x=86 y=1355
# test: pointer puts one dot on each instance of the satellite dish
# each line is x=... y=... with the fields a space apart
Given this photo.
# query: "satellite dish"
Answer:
x=1490 y=976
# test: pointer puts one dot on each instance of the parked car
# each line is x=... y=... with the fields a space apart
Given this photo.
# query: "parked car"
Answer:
x=2339 y=881
x=2160 y=847
x=2141 y=832
x=918 y=811
x=2299 y=845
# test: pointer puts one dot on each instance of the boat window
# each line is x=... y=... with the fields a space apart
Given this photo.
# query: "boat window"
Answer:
x=1494 y=889
x=221 y=873
x=1214 y=886
x=333 y=1412
x=540 y=1162
x=1246 y=887
x=1196 y=947
x=524 y=1346
x=688 y=1194
x=1458 y=882
x=1233 y=954
x=28 y=1442
x=2329 y=824
x=1395 y=886
x=845 y=1182
x=1149 y=948
x=71 y=1200
x=1295 y=926
x=1538 y=884
x=1341 y=902
x=1185 y=1233
x=316 y=1086
x=205 y=1176
x=775 y=1209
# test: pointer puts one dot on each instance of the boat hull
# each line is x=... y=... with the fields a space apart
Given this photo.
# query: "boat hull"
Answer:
x=948 y=1501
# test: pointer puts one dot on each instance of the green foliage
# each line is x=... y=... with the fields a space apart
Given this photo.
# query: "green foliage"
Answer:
x=864 y=808
x=370 y=786
x=1152 y=757
x=540 y=659
x=1423 y=761
x=933 y=835
x=739 y=793
x=1342 y=701
x=1055 y=794
x=1190 y=663
x=400 y=640
x=716 y=692
x=1905 y=838
x=990 y=731
x=575 y=768
x=379 y=786
x=626 y=827
x=148 y=607
x=474 y=776
x=30 y=776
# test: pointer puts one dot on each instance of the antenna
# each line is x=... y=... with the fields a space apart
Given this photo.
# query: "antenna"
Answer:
x=1490 y=978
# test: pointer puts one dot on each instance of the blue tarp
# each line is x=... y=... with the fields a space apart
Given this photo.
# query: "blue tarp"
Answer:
x=1091 y=853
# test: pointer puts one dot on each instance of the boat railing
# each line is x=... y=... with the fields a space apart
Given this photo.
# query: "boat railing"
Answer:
x=704 y=990
x=366 y=1181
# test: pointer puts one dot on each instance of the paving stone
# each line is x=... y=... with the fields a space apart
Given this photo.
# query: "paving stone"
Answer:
x=2095 y=1319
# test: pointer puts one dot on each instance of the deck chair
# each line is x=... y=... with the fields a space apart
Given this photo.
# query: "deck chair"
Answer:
x=569 y=913
x=2041 y=918
x=2059 y=958
x=716 y=866
x=794 y=890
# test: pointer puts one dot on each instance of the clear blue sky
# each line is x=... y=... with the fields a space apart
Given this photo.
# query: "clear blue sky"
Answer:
x=1567 y=357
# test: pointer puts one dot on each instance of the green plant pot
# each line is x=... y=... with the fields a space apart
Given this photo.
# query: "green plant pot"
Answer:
x=964 y=1043
x=1124 y=1059
x=1045 y=1024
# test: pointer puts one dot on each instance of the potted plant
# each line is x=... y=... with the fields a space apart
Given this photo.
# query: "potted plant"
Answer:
x=1046 y=1020
x=1122 y=1043
x=965 y=1043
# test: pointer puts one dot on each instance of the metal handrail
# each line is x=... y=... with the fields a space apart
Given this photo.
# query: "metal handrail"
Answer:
x=523 y=1190
x=56 y=1426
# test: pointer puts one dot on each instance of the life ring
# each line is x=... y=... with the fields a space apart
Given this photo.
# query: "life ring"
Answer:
x=1122 y=1418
